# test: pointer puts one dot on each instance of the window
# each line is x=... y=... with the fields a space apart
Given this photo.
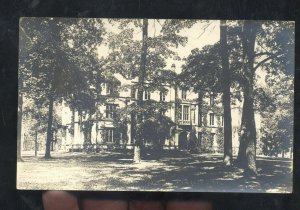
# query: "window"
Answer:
x=133 y=92
x=183 y=94
x=200 y=118
x=200 y=135
x=214 y=142
x=211 y=119
x=212 y=100
x=193 y=115
x=212 y=139
x=162 y=111
x=110 y=89
x=162 y=96
x=110 y=110
x=185 y=111
x=180 y=112
x=146 y=95
x=109 y=135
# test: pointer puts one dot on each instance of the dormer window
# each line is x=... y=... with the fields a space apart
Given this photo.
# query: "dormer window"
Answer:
x=146 y=95
x=109 y=88
x=212 y=119
x=162 y=96
x=110 y=110
x=133 y=92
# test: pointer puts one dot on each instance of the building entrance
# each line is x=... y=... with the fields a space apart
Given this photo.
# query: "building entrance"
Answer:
x=182 y=143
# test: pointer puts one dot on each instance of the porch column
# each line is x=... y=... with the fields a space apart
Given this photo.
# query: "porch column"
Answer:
x=176 y=139
x=129 y=141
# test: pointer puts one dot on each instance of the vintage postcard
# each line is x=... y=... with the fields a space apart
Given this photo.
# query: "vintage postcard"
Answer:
x=155 y=105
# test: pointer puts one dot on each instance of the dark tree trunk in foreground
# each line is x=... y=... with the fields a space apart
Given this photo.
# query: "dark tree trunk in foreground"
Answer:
x=49 y=128
x=138 y=138
x=241 y=158
x=226 y=75
x=87 y=133
x=19 y=134
x=87 y=130
x=247 y=153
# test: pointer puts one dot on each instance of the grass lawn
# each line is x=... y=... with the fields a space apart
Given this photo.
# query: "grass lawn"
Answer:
x=115 y=171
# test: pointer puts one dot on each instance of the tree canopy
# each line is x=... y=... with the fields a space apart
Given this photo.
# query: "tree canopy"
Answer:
x=57 y=58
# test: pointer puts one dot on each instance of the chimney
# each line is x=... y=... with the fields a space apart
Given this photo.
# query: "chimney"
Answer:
x=173 y=67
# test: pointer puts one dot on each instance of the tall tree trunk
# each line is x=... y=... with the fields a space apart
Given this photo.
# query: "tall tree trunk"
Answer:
x=200 y=117
x=87 y=131
x=49 y=128
x=248 y=135
x=36 y=143
x=241 y=159
x=226 y=75
x=176 y=106
x=142 y=73
x=248 y=128
x=19 y=134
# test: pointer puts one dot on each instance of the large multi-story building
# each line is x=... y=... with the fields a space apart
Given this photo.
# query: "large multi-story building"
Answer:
x=203 y=118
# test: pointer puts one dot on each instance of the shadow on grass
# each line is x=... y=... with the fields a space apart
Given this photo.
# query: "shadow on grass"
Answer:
x=186 y=172
x=177 y=171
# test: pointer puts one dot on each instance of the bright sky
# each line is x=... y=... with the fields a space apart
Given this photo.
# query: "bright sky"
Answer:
x=201 y=34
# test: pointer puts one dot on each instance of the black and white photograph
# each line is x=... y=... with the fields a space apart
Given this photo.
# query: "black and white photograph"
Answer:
x=171 y=105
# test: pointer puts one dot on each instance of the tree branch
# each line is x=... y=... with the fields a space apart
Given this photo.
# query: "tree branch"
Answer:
x=266 y=59
x=261 y=53
x=262 y=62
x=266 y=53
